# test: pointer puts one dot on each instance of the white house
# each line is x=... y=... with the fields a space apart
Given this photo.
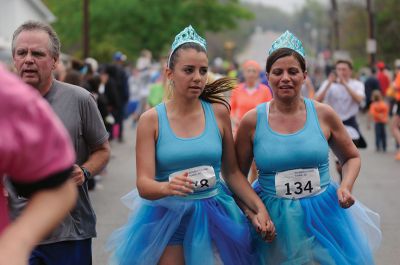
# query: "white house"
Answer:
x=15 y=12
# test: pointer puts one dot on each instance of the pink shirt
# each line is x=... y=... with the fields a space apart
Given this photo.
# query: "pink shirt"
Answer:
x=33 y=142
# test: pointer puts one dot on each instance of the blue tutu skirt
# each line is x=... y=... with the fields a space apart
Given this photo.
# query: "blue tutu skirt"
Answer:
x=216 y=229
x=316 y=230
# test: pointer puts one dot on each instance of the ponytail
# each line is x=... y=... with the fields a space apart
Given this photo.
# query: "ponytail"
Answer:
x=214 y=92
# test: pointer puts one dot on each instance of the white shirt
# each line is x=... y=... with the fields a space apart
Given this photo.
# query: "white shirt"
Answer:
x=340 y=100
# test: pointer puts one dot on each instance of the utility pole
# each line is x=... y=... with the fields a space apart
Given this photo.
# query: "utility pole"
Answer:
x=371 y=41
x=335 y=18
x=86 y=51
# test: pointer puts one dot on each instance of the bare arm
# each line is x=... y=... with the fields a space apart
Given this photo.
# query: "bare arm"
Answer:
x=320 y=96
x=244 y=141
x=45 y=210
x=344 y=148
x=148 y=187
x=236 y=180
x=96 y=162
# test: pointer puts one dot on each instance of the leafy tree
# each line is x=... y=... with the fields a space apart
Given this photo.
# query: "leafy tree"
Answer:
x=354 y=28
x=268 y=18
x=312 y=24
x=133 y=25
x=354 y=37
x=387 y=29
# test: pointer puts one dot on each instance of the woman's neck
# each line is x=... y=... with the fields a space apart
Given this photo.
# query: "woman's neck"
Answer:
x=251 y=84
x=182 y=106
x=287 y=107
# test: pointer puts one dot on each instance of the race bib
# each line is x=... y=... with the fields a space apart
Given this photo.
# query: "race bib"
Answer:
x=297 y=183
x=202 y=176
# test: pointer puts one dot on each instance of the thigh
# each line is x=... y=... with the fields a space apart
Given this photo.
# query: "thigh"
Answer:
x=173 y=255
x=63 y=253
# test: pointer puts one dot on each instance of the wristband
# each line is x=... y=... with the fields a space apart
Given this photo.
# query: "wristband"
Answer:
x=86 y=173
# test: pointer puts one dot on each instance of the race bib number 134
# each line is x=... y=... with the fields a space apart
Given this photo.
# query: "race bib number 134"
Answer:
x=297 y=183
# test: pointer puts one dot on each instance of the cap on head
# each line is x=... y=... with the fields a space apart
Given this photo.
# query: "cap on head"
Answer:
x=251 y=63
x=397 y=63
x=288 y=40
x=93 y=63
x=380 y=65
x=119 y=56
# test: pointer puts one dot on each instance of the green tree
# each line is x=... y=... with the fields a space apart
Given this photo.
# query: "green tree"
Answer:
x=354 y=29
x=266 y=17
x=311 y=23
x=132 y=25
x=387 y=29
x=354 y=37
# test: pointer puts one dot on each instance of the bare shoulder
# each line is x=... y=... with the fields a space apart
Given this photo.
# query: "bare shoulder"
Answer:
x=148 y=119
x=323 y=109
x=221 y=111
x=326 y=113
x=249 y=120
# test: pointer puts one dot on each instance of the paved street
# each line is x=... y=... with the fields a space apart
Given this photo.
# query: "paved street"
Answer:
x=376 y=187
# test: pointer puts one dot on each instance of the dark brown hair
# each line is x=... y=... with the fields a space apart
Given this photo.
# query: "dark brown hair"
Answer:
x=348 y=62
x=284 y=52
x=212 y=92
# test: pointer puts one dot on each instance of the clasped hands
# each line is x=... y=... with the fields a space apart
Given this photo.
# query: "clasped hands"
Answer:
x=263 y=224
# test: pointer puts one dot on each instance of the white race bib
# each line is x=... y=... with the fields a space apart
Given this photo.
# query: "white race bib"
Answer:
x=297 y=183
x=202 y=176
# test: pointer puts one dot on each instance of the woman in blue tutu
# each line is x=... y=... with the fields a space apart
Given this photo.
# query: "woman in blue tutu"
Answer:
x=181 y=213
x=316 y=220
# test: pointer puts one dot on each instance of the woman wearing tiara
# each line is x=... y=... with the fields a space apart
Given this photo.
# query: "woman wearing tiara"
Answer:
x=181 y=213
x=316 y=220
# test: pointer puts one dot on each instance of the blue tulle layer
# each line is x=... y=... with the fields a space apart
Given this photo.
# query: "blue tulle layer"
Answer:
x=214 y=224
x=316 y=230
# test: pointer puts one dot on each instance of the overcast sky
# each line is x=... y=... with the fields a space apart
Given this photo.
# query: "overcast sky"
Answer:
x=285 y=5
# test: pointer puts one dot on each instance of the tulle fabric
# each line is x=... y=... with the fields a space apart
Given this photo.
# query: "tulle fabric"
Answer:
x=215 y=223
x=316 y=230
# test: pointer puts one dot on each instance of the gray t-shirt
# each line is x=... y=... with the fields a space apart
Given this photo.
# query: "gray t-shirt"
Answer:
x=78 y=111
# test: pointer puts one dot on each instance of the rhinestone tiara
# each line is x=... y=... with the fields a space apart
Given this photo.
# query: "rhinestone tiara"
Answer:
x=287 y=40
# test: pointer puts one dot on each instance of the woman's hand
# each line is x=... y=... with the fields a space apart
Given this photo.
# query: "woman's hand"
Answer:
x=179 y=186
x=263 y=224
x=346 y=200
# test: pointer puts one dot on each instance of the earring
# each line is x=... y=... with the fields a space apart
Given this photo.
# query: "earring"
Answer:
x=171 y=83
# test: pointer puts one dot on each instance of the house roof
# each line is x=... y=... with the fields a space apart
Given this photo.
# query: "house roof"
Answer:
x=42 y=9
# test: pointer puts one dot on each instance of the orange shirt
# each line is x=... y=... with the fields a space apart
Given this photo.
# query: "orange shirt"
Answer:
x=242 y=100
x=379 y=111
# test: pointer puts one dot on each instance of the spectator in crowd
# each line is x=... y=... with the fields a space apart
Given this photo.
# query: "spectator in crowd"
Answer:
x=36 y=51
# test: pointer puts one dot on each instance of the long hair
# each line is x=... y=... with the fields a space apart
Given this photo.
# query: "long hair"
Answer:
x=213 y=92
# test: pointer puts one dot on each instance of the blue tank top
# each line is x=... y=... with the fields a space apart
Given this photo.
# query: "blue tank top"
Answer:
x=275 y=152
x=174 y=153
